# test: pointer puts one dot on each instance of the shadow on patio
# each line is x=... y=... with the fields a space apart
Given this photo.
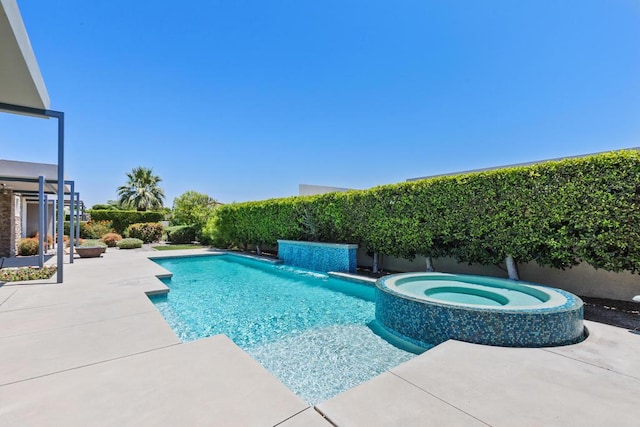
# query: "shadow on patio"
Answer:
x=22 y=261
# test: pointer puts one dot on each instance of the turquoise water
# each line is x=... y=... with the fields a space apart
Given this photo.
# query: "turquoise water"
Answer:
x=465 y=291
x=309 y=330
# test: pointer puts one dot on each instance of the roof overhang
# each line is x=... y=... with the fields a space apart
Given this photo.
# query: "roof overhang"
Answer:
x=22 y=177
x=20 y=80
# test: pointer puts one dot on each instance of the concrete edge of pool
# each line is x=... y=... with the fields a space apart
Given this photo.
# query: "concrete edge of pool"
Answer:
x=420 y=318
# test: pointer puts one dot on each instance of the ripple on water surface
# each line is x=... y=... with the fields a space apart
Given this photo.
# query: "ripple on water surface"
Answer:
x=306 y=329
x=320 y=363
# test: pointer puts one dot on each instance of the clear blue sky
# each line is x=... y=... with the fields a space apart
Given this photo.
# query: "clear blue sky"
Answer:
x=244 y=100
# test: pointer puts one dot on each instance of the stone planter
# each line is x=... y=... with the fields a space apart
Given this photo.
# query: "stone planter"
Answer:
x=89 y=251
x=323 y=257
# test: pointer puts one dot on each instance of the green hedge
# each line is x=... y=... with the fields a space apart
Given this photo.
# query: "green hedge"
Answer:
x=555 y=213
x=120 y=220
x=181 y=234
x=67 y=227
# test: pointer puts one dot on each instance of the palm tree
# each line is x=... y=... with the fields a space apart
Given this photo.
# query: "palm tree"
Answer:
x=141 y=190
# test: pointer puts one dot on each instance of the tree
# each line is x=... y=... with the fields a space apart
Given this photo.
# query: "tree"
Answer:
x=193 y=208
x=114 y=204
x=141 y=192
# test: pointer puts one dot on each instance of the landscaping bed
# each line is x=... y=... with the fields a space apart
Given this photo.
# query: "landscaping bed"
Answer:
x=624 y=314
x=26 y=273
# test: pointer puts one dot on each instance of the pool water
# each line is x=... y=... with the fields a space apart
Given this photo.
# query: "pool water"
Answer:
x=474 y=290
x=308 y=330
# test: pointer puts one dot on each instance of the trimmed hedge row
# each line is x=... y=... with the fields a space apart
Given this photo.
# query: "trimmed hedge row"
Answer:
x=120 y=220
x=555 y=213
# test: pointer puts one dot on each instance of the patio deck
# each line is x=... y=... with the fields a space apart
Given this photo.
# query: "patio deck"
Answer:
x=95 y=351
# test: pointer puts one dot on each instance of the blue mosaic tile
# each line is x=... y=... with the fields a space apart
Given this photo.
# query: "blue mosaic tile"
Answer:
x=430 y=322
x=323 y=257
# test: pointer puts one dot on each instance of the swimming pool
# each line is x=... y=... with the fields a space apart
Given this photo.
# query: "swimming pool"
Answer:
x=307 y=329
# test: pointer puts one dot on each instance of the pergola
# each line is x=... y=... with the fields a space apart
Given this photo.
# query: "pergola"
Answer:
x=24 y=178
x=22 y=91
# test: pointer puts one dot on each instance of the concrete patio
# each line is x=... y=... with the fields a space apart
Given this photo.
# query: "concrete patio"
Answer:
x=95 y=351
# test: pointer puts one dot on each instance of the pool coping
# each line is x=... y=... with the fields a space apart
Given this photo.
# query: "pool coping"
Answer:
x=569 y=301
x=258 y=258
x=350 y=277
x=319 y=244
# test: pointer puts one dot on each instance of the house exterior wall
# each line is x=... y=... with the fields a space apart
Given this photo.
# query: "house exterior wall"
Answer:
x=5 y=223
x=17 y=222
x=23 y=216
x=10 y=222
x=30 y=227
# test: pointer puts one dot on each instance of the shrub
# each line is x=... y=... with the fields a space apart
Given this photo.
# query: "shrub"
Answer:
x=214 y=234
x=91 y=229
x=111 y=239
x=146 y=231
x=95 y=229
x=93 y=242
x=28 y=246
x=26 y=273
x=36 y=236
x=67 y=227
x=181 y=234
x=120 y=219
x=130 y=243
x=78 y=240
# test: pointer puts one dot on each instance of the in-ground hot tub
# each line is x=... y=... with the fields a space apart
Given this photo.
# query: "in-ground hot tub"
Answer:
x=430 y=308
